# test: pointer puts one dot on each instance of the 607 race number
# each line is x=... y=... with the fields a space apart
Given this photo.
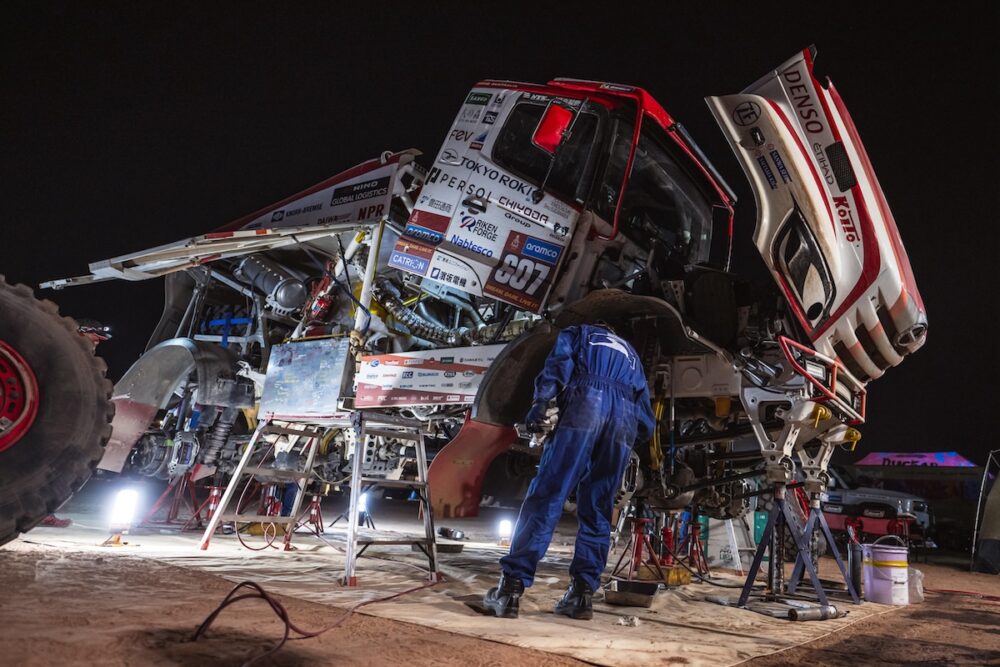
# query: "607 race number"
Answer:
x=520 y=273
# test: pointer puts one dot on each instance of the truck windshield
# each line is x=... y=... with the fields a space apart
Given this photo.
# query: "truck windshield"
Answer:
x=573 y=169
x=661 y=199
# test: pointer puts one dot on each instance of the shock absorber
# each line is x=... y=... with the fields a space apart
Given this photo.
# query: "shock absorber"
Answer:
x=218 y=435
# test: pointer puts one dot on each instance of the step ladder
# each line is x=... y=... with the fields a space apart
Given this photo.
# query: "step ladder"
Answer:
x=301 y=478
x=371 y=423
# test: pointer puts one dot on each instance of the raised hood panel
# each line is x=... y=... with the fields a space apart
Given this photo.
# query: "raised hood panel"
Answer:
x=824 y=228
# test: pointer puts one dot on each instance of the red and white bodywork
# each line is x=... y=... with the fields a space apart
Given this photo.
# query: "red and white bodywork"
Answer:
x=824 y=228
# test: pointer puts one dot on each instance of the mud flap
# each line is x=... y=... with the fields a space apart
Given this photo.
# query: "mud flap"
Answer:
x=455 y=477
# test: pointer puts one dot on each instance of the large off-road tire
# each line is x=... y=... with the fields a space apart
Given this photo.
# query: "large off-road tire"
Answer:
x=45 y=464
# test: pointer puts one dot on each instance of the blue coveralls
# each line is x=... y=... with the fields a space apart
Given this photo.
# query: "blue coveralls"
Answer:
x=603 y=409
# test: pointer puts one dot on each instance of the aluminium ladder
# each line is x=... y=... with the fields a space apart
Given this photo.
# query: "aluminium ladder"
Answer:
x=300 y=478
x=371 y=423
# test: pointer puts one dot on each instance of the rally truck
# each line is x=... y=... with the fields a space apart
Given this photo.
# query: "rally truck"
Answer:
x=547 y=205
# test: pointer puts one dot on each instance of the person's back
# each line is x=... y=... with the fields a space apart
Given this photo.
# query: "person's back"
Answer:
x=605 y=354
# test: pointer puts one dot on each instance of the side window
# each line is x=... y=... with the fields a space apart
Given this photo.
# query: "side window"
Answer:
x=661 y=200
x=572 y=171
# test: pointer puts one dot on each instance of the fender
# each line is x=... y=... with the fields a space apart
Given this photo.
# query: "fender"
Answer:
x=146 y=388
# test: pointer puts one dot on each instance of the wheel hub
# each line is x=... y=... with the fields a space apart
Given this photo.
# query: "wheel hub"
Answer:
x=18 y=396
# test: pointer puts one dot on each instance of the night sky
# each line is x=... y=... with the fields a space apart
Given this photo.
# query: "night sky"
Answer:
x=124 y=127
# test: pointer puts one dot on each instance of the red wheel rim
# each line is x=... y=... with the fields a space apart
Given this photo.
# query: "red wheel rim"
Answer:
x=18 y=396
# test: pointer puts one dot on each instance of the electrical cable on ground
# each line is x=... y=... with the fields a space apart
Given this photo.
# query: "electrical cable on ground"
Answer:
x=271 y=526
x=258 y=593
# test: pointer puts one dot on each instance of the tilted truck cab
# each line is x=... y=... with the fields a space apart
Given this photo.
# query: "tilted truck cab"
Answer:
x=502 y=216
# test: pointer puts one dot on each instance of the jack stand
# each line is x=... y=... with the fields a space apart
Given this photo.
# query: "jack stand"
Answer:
x=694 y=548
x=210 y=506
x=175 y=491
x=315 y=516
x=816 y=516
x=364 y=516
x=771 y=540
x=270 y=501
x=639 y=540
x=667 y=539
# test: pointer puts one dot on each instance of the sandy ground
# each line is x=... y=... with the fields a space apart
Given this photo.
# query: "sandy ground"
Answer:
x=73 y=608
x=70 y=608
x=945 y=629
x=64 y=606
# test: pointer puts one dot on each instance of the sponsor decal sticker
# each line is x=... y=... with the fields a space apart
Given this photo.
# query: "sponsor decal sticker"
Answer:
x=478 y=98
x=432 y=221
x=746 y=113
x=470 y=114
x=410 y=263
x=437 y=204
x=487 y=230
x=542 y=250
x=780 y=164
x=522 y=278
x=443 y=276
x=459 y=242
x=801 y=96
x=768 y=174
x=846 y=217
x=490 y=117
x=348 y=194
x=522 y=210
x=450 y=156
x=423 y=234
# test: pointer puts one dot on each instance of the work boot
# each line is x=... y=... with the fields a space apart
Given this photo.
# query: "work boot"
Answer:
x=502 y=599
x=577 y=602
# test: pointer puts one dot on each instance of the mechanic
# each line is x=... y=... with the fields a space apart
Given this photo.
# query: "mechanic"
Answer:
x=597 y=381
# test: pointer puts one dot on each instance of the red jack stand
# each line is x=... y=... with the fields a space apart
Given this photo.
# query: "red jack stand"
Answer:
x=694 y=548
x=639 y=540
x=175 y=491
x=270 y=501
x=315 y=515
x=210 y=505
x=667 y=538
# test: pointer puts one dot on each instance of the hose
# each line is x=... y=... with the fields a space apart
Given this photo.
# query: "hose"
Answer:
x=389 y=296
